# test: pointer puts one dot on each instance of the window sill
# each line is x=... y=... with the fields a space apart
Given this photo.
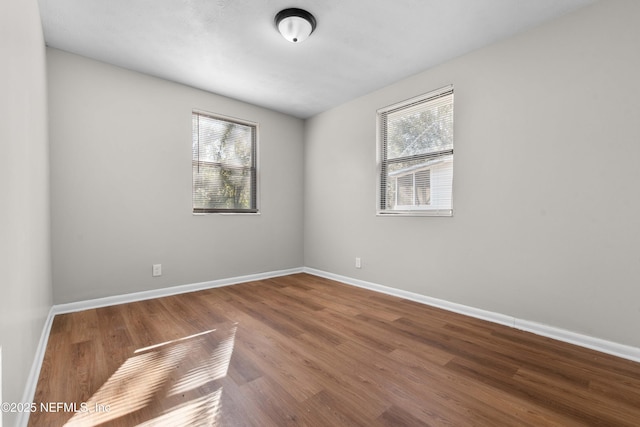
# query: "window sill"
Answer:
x=226 y=213
x=434 y=212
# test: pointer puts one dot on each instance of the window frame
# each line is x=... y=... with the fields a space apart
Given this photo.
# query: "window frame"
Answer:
x=255 y=196
x=382 y=162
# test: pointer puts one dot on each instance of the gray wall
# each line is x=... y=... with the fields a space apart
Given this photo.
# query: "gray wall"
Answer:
x=546 y=222
x=25 y=287
x=121 y=185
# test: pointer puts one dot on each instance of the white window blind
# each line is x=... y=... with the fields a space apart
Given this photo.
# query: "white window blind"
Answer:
x=224 y=165
x=415 y=139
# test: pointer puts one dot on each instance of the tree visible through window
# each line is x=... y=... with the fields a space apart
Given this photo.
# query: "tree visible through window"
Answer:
x=416 y=155
x=224 y=165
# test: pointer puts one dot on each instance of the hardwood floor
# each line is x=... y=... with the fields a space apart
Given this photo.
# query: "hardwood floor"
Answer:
x=303 y=350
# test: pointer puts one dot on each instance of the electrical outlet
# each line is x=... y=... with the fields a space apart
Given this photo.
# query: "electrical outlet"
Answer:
x=358 y=262
x=157 y=270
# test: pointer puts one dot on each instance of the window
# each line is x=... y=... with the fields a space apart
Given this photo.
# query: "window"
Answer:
x=415 y=141
x=224 y=165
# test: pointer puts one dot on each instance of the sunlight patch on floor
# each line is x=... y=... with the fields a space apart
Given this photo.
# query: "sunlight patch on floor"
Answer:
x=215 y=368
x=204 y=410
x=149 y=377
x=152 y=347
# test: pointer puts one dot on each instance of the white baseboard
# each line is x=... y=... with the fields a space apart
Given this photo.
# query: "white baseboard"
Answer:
x=598 y=344
x=604 y=346
x=32 y=379
x=165 y=292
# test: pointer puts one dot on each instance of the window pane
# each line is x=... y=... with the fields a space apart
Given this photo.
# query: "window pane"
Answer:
x=419 y=183
x=223 y=142
x=427 y=128
x=215 y=187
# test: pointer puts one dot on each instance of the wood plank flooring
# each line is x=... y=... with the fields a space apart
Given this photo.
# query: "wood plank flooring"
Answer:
x=301 y=350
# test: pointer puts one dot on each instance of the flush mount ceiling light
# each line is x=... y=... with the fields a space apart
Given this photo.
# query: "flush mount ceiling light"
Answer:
x=295 y=25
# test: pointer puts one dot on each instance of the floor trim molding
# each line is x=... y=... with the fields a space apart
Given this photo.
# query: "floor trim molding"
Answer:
x=165 y=292
x=598 y=344
x=32 y=381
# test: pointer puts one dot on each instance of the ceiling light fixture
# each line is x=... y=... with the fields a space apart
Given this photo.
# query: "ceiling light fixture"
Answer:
x=295 y=25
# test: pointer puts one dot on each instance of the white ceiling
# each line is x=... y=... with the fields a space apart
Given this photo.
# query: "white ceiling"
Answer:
x=232 y=47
